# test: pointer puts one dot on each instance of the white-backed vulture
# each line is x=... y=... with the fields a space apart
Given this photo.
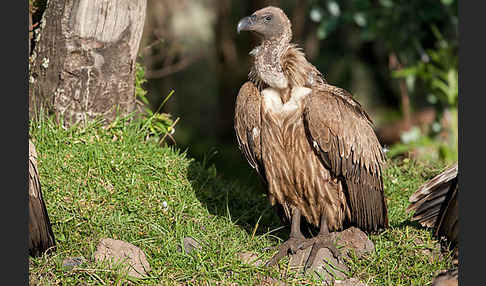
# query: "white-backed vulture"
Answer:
x=41 y=237
x=435 y=205
x=311 y=143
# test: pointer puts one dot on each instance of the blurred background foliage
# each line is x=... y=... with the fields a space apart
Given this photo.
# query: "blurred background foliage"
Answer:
x=398 y=58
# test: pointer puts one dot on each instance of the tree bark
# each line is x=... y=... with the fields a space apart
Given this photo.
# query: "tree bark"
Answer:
x=82 y=67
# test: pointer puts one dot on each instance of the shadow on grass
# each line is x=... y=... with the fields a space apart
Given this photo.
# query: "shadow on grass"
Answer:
x=246 y=205
x=408 y=222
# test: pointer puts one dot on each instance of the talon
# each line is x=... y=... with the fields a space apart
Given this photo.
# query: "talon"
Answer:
x=292 y=245
x=322 y=241
x=292 y=250
x=307 y=244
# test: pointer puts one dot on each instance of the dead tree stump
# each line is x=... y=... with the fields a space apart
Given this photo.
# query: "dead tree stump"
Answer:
x=83 y=62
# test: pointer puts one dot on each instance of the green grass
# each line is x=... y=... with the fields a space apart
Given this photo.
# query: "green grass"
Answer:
x=109 y=182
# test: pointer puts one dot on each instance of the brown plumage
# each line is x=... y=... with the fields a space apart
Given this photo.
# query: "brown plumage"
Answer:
x=435 y=205
x=312 y=144
x=41 y=237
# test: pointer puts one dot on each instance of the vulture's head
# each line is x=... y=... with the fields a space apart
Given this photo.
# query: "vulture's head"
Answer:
x=269 y=23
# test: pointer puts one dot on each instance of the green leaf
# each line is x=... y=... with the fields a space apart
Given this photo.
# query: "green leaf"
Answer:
x=406 y=72
x=447 y=2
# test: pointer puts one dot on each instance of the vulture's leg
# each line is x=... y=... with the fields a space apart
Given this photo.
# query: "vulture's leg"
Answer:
x=295 y=241
x=322 y=240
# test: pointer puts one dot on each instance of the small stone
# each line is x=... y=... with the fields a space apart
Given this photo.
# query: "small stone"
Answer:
x=71 y=262
x=354 y=239
x=249 y=258
x=434 y=253
x=117 y=251
x=190 y=244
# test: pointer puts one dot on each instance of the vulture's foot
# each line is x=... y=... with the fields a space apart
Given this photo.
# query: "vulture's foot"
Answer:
x=318 y=242
x=292 y=245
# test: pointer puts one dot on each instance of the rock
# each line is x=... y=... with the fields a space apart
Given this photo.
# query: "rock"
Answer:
x=433 y=254
x=349 y=282
x=354 y=239
x=118 y=251
x=71 y=262
x=190 y=244
x=326 y=266
x=446 y=278
x=249 y=258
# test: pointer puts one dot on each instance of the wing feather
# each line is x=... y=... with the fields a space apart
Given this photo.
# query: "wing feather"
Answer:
x=435 y=204
x=41 y=236
x=349 y=147
x=247 y=124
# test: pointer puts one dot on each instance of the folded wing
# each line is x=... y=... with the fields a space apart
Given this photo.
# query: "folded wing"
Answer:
x=247 y=123
x=435 y=204
x=41 y=236
x=342 y=135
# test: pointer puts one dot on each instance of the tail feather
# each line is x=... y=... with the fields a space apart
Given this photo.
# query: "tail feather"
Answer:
x=435 y=204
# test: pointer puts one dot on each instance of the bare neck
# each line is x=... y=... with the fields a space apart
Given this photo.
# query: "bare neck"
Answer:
x=267 y=65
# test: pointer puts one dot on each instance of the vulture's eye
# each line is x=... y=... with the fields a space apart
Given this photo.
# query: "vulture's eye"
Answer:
x=268 y=18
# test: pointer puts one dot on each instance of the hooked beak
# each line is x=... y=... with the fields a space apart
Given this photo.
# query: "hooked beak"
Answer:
x=244 y=24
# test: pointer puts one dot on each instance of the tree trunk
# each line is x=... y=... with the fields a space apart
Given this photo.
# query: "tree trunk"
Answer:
x=298 y=20
x=259 y=4
x=82 y=66
x=230 y=79
x=41 y=237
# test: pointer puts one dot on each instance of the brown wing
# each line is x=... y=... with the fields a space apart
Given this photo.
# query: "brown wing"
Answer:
x=343 y=135
x=247 y=123
x=41 y=237
x=448 y=223
x=435 y=204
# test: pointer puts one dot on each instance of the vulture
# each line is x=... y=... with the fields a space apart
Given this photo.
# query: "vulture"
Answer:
x=41 y=237
x=312 y=145
x=435 y=205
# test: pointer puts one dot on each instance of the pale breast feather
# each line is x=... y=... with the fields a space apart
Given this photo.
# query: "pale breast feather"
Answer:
x=273 y=102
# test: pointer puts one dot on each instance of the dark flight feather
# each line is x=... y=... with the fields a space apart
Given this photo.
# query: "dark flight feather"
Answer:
x=435 y=204
x=41 y=236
